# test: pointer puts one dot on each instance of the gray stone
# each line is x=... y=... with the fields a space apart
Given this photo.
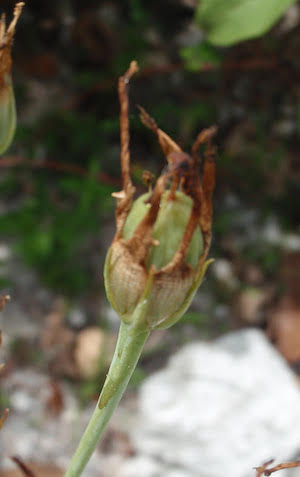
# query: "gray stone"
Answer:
x=218 y=409
x=36 y=435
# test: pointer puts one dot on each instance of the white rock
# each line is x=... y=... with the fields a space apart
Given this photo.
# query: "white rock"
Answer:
x=34 y=434
x=217 y=409
x=291 y=242
x=5 y=252
x=93 y=351
x=142 y=466
x=272 y=232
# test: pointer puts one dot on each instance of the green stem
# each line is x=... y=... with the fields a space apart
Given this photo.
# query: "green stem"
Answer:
x=130 y=343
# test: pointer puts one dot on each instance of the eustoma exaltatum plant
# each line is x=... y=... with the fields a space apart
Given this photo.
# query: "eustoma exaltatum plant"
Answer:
x=157 y=258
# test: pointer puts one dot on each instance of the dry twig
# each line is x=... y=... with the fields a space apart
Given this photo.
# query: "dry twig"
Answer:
x=15 y=161
x=266 y=470
x=23 y=467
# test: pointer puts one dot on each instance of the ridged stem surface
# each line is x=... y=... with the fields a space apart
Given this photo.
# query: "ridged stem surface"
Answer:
x=130 y=344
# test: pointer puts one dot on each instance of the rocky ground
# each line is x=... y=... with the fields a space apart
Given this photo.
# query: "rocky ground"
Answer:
x=56 y=222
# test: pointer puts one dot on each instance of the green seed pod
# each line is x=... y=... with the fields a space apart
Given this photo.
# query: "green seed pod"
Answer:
x=7 y=114
x=166 y=291
x=158 y=256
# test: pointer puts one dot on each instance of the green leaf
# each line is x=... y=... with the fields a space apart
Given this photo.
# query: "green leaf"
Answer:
x=200 y=56
x=230 y=21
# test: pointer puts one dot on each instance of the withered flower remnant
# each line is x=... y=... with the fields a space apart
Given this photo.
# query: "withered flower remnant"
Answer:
x=7 y=100
x=158 y=256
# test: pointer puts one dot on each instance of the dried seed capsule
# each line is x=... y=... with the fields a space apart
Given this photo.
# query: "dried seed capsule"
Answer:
x=157 y=259
x=171 y=288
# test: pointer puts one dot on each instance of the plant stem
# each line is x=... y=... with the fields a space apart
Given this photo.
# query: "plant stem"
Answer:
x=130 y=343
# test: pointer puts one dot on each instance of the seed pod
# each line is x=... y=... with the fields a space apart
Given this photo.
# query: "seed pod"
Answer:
x=172 y=287
x=157 y=259
x=7 y=100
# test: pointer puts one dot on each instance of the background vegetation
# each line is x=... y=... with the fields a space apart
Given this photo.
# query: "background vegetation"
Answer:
x=56 y=212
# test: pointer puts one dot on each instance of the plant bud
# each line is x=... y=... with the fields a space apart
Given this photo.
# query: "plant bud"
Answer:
x=7 y=100
x=171 y=291
x=157 y=259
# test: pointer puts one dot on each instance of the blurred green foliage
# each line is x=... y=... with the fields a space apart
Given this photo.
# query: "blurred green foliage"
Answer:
x=55 y=218
x=227 y=22
x=53 y=226
x=200 y=56
x=4 y=400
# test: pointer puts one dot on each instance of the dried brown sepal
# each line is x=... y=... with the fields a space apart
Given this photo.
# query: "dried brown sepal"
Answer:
x=266 y=470
x=148 y=179
x=208 y=185
x=186 y=172
x=204 y=137
x=124 y=198
x=166 y=143
x=6 y=38
x=140 y=243
x=205 y=191
x=23 y=467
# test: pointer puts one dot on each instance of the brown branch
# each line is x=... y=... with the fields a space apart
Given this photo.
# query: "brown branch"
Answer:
x=264 y=470
x=109 y=83
x=23 y=467
x=208 y=179
x=247 y=64
x=15 y=161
